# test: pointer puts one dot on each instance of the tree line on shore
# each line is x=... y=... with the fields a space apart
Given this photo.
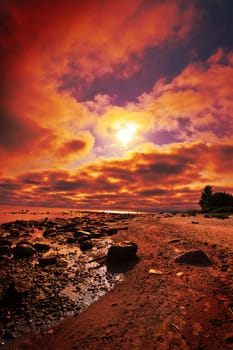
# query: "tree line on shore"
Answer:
x=215 y=201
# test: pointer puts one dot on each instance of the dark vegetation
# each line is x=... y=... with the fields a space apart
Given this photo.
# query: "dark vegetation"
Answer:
x=216 y=204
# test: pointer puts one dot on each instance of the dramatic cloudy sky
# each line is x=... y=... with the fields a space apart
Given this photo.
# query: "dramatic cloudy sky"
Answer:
x=115 y=104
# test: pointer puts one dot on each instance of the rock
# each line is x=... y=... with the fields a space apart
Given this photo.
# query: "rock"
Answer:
x=229 y=338
x=175 y=240
x=25 y=242
x=123 y=228
x=48 y=260
x=23 y=251
x=5 y=250
x=194 y=257
x=18 y=287
x=82 y=233
x=112 y=231
x=86 y=245
x=83 y=239
x=50 y=232
x=42 y=247
x=70 y=240
x=122 y=252
x=5 y=242
x=14 y=233
x=99 y=234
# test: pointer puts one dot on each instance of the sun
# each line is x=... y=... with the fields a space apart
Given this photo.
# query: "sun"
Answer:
x=126 y=133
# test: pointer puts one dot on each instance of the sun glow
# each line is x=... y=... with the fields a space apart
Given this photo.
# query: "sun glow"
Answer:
x=126 y=133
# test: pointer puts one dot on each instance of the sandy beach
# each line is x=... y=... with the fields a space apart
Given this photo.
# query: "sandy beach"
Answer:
x=116 y=178
x=160 y=304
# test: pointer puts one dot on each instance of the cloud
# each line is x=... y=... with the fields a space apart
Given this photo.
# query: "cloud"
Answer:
x=158 y=179
x=15 y=134
x=75 y=148
x=59 y=146
x=196 y=105
x=51 y=51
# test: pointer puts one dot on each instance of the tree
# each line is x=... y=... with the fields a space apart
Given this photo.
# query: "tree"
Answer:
x=205 y=197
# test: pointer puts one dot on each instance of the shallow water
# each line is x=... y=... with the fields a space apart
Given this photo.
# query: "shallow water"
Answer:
x=66 y=289
x=12 y=213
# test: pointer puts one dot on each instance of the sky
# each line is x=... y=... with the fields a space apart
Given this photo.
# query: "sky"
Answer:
x=115 y=104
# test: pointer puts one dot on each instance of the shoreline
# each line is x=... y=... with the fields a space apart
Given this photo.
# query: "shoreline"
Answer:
x=58 y=270
x=176 y=306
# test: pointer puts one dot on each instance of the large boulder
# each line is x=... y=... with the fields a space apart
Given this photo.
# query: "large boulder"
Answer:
x=122 y=252
x=194 y=257
x=23 y=251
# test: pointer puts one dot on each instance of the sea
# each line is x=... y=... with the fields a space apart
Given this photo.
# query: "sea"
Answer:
x=12 y=213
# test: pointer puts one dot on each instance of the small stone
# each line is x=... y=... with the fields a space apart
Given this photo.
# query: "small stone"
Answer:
x=70 y=240
x=23 y=251
x=5 y=250
x=155 y=272
x=18 y=287
x=83 y=234
x=86 y=245
x=42 y=247
x=50 y=232
x=48 y=260
x=14 y=233
x=112 y=231
x=25 y=242
x=229 y=338
x=175 y=240
x=5 y=242
x=224 y=267
x=194 y=257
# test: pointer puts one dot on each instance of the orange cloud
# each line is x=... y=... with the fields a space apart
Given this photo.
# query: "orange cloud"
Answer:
x=51 y=51
x=196 y=104
x=75 y=148
x=161 y=178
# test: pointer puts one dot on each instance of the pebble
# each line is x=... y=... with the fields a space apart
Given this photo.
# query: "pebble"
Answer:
x=42 y=246
x=5 y=250
x=4 y=242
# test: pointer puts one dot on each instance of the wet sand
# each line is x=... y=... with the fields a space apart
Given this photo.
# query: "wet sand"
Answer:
x=160 y=304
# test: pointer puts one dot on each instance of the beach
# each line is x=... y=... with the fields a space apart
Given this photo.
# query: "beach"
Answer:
x=158 y=301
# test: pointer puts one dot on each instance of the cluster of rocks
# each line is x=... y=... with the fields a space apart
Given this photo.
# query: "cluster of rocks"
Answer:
x=54 y=268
